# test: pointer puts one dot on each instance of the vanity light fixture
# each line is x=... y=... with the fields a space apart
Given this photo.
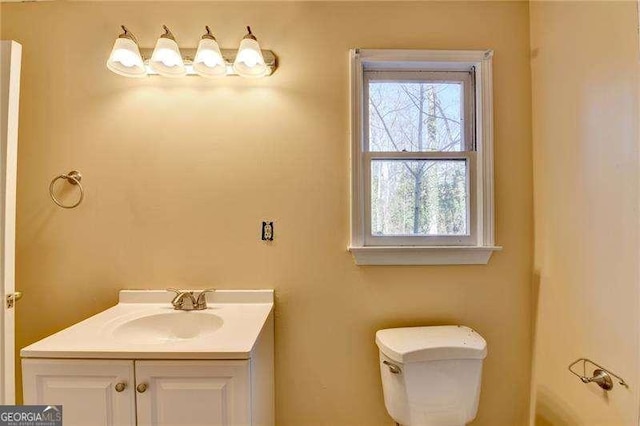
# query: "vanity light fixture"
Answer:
x=249 y=60
x=166 y=59
x=125 y=58
x=208 y=61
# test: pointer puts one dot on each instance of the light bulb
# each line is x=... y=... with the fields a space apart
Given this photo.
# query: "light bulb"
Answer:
x=249 y=60
x=125 y=58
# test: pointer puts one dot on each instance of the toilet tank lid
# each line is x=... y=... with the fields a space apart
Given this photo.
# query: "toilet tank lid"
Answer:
x=415 y=344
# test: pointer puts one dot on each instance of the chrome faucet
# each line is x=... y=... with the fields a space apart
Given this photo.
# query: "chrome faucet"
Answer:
x=186 y=301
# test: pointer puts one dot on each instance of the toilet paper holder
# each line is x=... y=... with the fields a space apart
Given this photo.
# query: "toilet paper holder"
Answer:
x=601 y=376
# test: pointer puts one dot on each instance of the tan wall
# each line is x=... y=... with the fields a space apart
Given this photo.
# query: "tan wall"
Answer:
x=179 y=173
x=585 y=113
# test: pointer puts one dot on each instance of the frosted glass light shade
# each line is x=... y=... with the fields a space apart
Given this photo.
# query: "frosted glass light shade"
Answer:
x=166 y=59
x=209 y=61
x=125 y=59
x=249 y=61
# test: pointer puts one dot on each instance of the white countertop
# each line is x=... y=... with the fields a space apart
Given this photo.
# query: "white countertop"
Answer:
x=243 y=314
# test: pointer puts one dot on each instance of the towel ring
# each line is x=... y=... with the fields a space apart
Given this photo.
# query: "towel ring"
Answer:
x=73 y=177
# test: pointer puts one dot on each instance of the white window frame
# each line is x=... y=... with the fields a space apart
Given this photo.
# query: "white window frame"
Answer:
x=477 y=247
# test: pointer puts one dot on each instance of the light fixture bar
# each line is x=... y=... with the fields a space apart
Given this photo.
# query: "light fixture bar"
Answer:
x=229 y=56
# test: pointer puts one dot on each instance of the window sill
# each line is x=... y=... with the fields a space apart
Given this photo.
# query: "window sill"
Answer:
x=423 y=255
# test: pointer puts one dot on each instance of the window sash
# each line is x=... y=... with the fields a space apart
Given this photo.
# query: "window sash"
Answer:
x=466 y=78
x=422 y=240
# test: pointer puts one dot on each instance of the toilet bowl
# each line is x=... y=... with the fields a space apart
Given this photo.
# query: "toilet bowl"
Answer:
x=431 y=375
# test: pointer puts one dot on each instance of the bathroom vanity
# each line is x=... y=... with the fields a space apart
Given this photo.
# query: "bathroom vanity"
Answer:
x=143 y=363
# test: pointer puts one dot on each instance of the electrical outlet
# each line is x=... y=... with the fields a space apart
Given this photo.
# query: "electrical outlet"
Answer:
x=267 y=231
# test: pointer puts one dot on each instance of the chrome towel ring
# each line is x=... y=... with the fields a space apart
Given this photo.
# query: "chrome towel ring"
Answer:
x=73 y=177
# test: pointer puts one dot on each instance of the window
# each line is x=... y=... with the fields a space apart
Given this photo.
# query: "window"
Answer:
x=422 y=178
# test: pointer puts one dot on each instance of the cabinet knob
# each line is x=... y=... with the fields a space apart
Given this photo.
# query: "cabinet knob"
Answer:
x=141 y=387
x=121 y=386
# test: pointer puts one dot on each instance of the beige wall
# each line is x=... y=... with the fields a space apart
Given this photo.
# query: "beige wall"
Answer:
x=585 y=114
x=179 y=173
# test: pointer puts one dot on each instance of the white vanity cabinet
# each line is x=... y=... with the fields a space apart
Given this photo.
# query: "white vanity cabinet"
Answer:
x=143 y=363
x=193 y=393
x=85 y=388
x=144 y=393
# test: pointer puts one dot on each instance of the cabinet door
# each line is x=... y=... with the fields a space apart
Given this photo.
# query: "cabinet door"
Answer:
x=190 y=393
x=86 y=389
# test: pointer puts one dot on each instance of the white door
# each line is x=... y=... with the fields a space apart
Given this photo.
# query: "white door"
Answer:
x=191 y=393
x=91 y=392
x=10 y=56
x=586 y=106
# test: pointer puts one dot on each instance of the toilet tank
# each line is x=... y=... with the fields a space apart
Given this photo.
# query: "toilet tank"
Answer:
x=431 y=375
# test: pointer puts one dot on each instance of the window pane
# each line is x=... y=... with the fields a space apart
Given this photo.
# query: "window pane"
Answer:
x=415 y=116
x=419 y=197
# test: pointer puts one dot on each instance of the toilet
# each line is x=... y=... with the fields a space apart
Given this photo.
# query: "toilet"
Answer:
x=431 y=375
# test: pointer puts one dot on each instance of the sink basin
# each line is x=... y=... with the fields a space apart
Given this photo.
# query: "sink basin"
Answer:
x=168 y=327
x=144 y=325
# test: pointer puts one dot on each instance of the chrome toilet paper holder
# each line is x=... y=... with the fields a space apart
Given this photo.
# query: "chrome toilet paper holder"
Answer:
x=601 y=376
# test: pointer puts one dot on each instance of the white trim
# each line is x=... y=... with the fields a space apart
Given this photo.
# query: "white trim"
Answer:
x=482 y=196
x=484 y=146
x=357 y=186
x=433 y=255
x=10 y=63
x=432 y=60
